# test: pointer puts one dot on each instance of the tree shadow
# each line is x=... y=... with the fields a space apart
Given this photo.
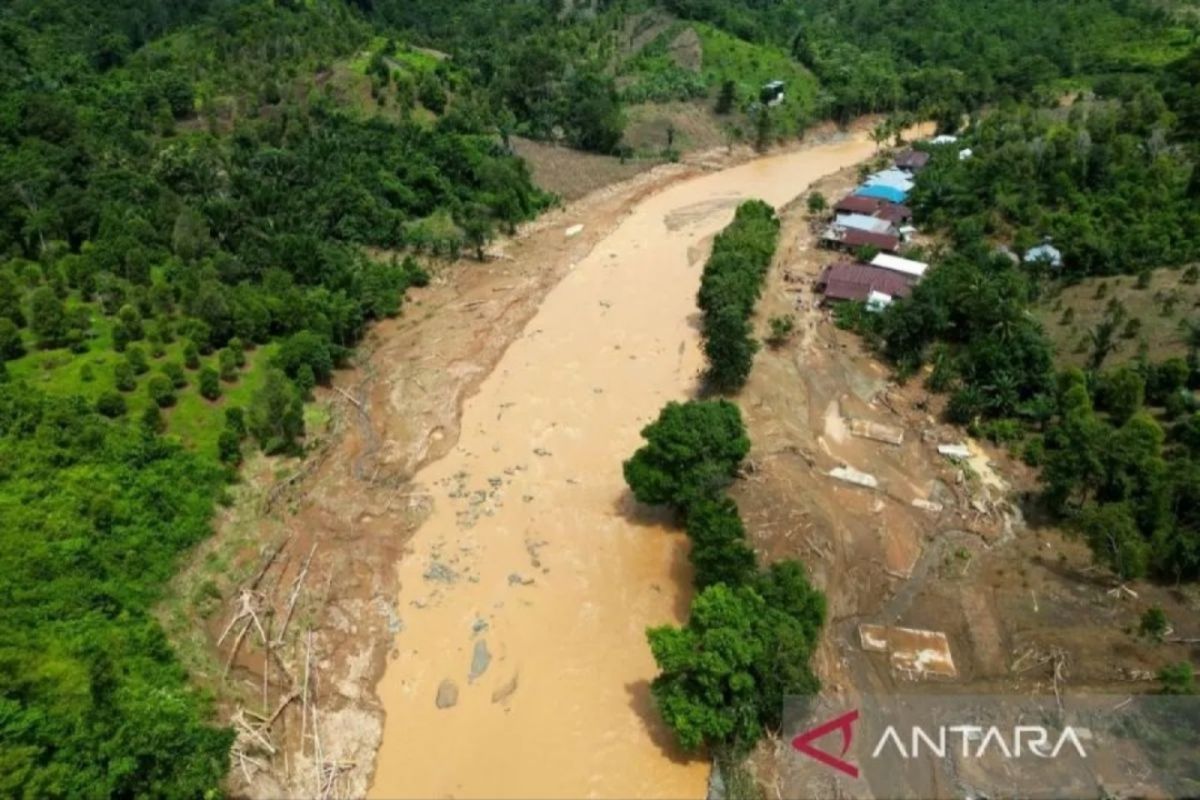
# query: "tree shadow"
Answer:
x=642 y=703
x=641 y=515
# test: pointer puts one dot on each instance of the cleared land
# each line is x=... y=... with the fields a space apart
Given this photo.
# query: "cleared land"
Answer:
x=1162 y=310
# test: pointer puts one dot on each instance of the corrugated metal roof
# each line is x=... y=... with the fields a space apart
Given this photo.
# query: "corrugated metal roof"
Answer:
x=852 y=237
x=901 y=265
x=855 y=204
x=893 y=212
x=889 y=193
x=1044 y=252
x=897 y=178
x=864 y=222
x=853 y=281
x=912 y=160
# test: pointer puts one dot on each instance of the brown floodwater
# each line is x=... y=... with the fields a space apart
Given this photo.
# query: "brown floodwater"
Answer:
x=532 y=582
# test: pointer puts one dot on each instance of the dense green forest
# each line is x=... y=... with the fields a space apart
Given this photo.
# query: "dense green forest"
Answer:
x=189 y=192
x=181 y=241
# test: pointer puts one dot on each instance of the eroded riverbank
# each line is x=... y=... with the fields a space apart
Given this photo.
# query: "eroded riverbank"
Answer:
x=530 y=584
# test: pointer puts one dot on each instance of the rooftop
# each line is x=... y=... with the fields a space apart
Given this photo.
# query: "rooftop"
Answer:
x=912 y=160
x=864 y=222
x=852 y=237
x=904 y=266
x=849 y=280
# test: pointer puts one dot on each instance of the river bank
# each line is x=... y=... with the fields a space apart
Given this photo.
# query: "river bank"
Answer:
x=330 y=530
x=526 y=592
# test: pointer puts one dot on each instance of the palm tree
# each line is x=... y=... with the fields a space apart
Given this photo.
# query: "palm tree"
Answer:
x=1103 y=342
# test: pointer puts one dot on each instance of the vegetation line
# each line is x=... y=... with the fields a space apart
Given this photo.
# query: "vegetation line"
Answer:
x=732 y=282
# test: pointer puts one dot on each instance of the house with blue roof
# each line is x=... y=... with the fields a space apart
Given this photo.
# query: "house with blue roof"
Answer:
x=880 y=192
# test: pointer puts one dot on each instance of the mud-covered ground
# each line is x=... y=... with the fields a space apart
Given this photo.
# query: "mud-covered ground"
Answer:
x=296 y=591
x=1014 y=598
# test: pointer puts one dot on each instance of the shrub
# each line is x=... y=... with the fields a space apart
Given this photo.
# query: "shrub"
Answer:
x=123 y=376
x=161 y=392
x=174 y=372
x=210 y=384
x=136 y=357
x=111 y=404
x=1154 y=623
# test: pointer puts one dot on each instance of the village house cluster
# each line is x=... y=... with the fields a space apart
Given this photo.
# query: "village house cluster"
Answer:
x=874 y=217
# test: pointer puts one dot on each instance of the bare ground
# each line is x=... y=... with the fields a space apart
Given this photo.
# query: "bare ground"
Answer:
x=328 y=531
x=1012 y=598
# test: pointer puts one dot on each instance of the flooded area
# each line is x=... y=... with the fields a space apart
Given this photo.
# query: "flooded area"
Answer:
x=519 y=665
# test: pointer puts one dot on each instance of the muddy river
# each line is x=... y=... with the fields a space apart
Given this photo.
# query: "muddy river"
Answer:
x=520 y=666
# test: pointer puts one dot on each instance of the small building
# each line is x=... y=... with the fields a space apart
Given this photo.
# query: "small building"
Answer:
x=852 y=239
x=965 y=153
x=889 y=193
x=864 y=222
x=912 y=161
x=850 y=280
x=903 y=266
x=896 y=178
x=878 y=301
x=1044 y=253
x=894 y=213
x=771 y=94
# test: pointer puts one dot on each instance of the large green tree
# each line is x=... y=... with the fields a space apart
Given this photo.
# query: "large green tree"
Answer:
x=692 y=452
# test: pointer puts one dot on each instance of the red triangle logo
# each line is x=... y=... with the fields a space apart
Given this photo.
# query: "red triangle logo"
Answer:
x=845 y=724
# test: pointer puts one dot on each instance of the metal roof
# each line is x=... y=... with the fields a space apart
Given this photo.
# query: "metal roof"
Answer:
x=912 y=159
x=852 y=237
x=847 y=280
x=889 y=193
x=904 y=266
x=864 y=222
x=891 y=177
x=1044 y=252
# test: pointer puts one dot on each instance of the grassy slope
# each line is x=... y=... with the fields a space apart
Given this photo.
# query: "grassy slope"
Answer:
x=1162 y=322
x=195 y=421
x=659 y=88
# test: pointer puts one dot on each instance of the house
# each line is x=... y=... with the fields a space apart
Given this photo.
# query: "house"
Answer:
x=912 y=160
x=889 y=193
x=852 y=238
x=1044 y=253
x=896 y=178
x=902 y=266
x=850 y=280
x=863 y=222
x=894 y=213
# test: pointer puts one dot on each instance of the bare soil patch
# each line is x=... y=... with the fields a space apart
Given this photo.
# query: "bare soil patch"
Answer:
x=572 y=174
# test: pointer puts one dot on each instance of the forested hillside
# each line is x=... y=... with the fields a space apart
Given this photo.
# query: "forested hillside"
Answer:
x=189 y=192
x=182 y=223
